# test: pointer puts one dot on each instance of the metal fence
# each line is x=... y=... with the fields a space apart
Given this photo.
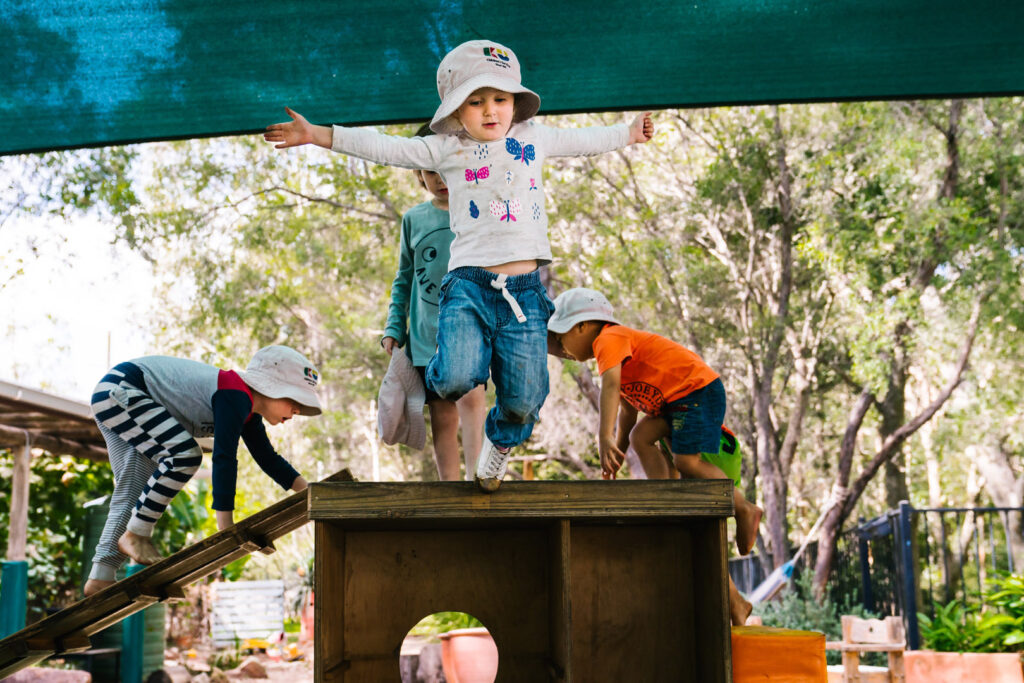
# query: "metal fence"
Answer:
x=911 y=559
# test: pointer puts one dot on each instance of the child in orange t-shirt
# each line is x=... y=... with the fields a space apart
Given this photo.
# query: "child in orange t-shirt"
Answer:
x=643 y=371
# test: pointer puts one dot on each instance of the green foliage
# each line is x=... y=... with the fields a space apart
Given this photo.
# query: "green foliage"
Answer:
x=442 y=622
x=976 y=628
x=233 y=571
x=889 y=246
x=227 y=659
x=797 y=608
x=953 y=629
x=187 y=518
x=59 y=487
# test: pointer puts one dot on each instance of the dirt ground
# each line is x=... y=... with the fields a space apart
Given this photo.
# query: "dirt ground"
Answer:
x=197 y=669
x=289 y=672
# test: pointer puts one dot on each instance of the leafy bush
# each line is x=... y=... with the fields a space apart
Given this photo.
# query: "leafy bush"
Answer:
x=60 y=486
x=959 y=628
x=797 y=608
x=953 y=629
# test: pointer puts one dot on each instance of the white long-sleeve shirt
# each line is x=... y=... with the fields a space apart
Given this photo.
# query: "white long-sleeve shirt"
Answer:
x=495 y=189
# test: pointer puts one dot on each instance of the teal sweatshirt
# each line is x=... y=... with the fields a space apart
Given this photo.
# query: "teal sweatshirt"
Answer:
x=423 y=261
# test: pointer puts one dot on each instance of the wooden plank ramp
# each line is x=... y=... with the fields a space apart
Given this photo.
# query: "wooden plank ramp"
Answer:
x=69 y=629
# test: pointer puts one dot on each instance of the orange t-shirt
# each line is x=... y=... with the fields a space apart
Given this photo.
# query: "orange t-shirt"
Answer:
x=655 y=370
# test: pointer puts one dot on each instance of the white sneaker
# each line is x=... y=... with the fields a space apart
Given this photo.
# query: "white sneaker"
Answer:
x=491 y=466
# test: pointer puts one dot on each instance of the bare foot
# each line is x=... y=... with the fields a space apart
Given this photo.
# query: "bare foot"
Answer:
x=739 y=610
x=93 y=586
x=139 y=548
x=748 y=519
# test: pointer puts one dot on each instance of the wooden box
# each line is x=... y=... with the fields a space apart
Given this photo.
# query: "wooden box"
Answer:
x=577 y=581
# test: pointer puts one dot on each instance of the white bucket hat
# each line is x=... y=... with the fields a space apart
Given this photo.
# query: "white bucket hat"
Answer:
x=283 y=372
x=474 y=65
x=400 y=404
x=579 y=305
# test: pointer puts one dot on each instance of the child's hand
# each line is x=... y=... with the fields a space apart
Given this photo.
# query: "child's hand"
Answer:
x=611 y=458
x=296 y=132
x=642 y=128
x=388 y=343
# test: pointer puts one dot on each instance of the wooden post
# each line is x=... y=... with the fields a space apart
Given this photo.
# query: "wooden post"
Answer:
x=18 y=530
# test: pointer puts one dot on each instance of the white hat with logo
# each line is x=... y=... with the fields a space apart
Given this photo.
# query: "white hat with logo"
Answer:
x=579 y=305
x=282 y=372
x=474 y=65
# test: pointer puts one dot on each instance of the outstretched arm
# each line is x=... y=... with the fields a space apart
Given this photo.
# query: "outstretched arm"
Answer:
x=419 y=153
x=297 y=132
x=591 y=140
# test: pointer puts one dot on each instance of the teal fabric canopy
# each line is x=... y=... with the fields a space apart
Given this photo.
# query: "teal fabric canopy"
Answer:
x=100 y=72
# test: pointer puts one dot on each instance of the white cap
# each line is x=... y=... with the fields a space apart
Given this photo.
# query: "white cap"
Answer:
x=400 y=404
x=579 y=305
x=474 y=65
x=283 y=372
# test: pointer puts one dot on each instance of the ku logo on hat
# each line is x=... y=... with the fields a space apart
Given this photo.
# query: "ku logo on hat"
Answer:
x=311 y=376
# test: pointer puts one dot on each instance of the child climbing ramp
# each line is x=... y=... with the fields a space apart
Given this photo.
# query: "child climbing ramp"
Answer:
x=151 y=409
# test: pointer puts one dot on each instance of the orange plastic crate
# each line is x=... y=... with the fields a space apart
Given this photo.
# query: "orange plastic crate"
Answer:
x=763 y=654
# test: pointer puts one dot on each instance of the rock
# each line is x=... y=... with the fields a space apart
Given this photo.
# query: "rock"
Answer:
x=41 y=674
x=201 y=678
x=178 y=673
x=251 y=668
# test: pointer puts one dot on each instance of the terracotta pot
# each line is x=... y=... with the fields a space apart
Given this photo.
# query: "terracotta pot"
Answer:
x=469 y=655
x=306 y=619
x=925 y=666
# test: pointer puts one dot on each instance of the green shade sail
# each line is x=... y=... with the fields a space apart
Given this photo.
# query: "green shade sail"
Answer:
x=99 y=72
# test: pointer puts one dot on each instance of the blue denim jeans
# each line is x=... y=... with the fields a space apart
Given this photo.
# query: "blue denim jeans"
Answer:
x=478 y=334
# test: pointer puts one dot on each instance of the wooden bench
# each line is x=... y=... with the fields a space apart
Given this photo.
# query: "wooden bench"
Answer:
x=871 y=635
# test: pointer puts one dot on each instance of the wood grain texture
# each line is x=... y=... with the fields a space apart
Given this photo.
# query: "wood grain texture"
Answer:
x=560 y=608
x=576 y=581
x=711 y=594
x=395 y=578
x=632 y=604
x=393 y=503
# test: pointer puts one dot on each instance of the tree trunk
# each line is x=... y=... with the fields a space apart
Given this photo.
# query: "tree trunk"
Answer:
x=773 y=478
x=1006 y=488
x=893 y=410
x=849 y=496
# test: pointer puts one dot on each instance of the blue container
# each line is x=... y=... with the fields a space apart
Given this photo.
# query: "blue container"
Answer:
x=13 y=596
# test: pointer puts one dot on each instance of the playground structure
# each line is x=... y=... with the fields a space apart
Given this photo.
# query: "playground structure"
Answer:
x=69 y=630
x=576 y=581
x=844 y=50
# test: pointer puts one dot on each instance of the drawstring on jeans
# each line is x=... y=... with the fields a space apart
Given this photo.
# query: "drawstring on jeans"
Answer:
x=499 y=283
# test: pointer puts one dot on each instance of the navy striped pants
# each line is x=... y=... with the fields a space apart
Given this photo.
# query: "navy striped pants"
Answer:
x=151 y=455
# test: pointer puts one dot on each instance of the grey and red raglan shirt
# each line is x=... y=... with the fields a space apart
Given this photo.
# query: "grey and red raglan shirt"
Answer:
x=208 y=401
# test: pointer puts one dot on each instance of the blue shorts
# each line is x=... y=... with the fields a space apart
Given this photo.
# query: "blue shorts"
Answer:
x=696 y=420
x=429 y=394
